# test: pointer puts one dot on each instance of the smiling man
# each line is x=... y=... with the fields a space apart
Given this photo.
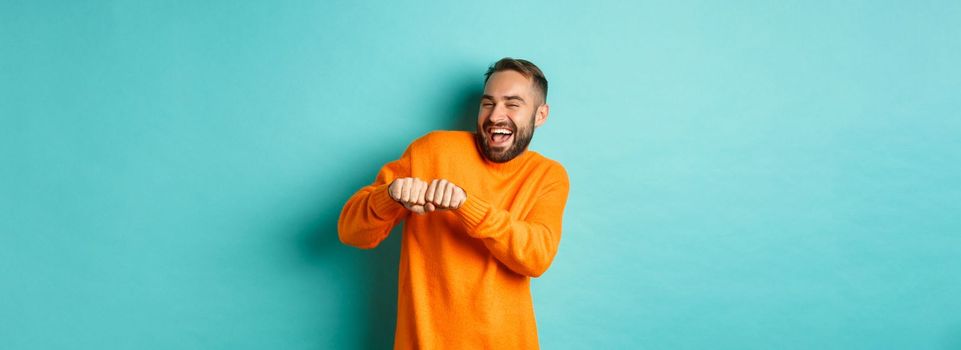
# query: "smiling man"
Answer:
x=482 y=216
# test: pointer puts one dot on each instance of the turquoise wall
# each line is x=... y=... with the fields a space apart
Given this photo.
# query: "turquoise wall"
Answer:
x=745 y=175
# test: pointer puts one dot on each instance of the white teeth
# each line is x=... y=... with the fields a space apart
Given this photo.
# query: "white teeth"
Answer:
x=501 y=131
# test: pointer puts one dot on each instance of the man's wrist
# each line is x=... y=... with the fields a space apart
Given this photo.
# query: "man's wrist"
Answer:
x=382 y=202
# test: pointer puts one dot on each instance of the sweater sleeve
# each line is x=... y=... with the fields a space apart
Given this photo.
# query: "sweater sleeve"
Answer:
x=526 y=246
x=370 y=214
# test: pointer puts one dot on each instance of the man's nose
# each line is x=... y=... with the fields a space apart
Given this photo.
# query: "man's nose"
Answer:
x=499 y=114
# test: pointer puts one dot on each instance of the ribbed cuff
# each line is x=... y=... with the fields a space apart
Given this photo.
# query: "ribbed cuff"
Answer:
x=472 y=212
x=382 y=205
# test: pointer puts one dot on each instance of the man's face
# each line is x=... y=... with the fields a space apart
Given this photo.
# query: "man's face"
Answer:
x=510 y=109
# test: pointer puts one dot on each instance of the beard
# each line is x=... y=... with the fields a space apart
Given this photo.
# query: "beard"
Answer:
x=521 y=139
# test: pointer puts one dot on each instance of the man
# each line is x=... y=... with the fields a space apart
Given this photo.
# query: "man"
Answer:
x=483 y=216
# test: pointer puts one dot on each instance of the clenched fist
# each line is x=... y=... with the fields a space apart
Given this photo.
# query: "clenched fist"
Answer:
x=409 y=191
x=442 y=194
x=420 y=197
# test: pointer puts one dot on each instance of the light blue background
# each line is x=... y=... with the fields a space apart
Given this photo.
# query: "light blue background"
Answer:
x=745 y=175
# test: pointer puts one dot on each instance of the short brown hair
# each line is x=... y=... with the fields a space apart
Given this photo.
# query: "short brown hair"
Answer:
x=525 y=67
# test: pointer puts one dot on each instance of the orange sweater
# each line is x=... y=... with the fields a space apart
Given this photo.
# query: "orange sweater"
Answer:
x=464 y=279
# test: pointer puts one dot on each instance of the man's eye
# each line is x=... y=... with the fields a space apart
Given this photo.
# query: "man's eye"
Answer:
x=487 y=104
x=513 y=106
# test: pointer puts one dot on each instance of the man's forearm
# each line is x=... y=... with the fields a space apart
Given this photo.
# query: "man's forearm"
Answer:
x=526 y=247
x=368 y=217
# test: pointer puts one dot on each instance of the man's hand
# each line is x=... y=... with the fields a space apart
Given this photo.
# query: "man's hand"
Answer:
x=409 y=191
x=419 y=197
x=442 y=194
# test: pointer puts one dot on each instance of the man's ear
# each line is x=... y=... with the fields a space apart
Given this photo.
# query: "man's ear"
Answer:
x=542 y=112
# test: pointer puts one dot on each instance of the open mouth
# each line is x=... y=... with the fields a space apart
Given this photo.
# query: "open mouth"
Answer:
x=500 y=137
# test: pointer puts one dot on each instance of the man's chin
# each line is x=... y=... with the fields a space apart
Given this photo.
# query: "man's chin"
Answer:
x=500 y=150
x=498 y=154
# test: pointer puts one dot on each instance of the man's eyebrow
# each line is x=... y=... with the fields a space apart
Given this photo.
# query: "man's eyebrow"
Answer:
x=515 y=97
x=511 y=97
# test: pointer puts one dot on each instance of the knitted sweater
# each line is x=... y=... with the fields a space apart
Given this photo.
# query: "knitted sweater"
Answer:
x=464 y=275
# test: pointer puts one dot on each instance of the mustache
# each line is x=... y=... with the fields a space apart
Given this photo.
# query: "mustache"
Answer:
x=507 y=125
